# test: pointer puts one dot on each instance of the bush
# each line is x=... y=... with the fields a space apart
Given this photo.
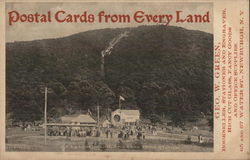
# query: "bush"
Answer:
x=188 y=140
x=137 y=145
x=87 y=148
x=103 y=147
x=121 y=145
x=155 y=118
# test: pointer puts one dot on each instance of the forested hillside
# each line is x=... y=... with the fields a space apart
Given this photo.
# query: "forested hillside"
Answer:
x=161 y=70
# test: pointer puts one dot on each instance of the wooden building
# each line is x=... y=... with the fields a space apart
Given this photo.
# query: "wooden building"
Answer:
x=125 y=117
x=79 y=119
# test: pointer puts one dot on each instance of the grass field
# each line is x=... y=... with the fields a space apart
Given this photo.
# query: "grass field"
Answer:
x=18 y=140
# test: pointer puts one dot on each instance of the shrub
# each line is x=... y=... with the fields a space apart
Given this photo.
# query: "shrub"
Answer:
x=103 y=147
x=87 y=148
x=121 y=145
x=188 y=140
x=137 y=145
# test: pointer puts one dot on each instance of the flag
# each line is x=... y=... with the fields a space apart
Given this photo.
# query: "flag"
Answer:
x=121 y=98
x=89 y=112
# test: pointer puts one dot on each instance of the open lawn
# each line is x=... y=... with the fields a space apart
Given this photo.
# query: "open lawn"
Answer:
x=19 y=140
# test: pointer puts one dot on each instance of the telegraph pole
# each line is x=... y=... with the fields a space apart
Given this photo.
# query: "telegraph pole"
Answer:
x=45 y=115
x=98 y=118
x=119 y=103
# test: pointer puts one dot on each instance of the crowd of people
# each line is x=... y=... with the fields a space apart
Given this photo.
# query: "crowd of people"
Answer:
x=122 y=132
x=130 y=131
x=137 y=131
x=74 y=131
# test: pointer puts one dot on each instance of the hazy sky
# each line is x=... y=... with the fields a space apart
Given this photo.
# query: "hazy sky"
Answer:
x=31 y=31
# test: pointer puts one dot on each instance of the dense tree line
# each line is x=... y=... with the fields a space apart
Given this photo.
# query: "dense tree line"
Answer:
x=161 y=70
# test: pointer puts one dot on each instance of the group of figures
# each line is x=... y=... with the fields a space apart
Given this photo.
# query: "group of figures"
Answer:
x=131 y=131
x=30 y=126
x=122 y=132
x=74 y=131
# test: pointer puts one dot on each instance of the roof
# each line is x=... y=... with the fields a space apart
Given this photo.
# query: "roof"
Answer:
x=81 y=118
x=130 y=112
x=106 y=121
x=71 y=125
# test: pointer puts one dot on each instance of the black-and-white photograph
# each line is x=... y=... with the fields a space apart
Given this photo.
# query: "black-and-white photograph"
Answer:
x=108 y=86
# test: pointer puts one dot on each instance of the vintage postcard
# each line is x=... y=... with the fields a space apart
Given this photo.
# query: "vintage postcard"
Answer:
x=124 y=79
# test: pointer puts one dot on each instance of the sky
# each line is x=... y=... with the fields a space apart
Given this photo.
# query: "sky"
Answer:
x=33 y=31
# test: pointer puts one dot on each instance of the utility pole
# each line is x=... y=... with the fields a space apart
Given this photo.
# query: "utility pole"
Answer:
x=120 y=99
x=98 y=118
x=119 y=103
x=45 y=116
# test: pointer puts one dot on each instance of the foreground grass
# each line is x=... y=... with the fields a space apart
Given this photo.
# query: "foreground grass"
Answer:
x=18 y=140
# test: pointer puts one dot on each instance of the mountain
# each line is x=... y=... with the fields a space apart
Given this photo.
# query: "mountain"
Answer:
x=161 y=70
